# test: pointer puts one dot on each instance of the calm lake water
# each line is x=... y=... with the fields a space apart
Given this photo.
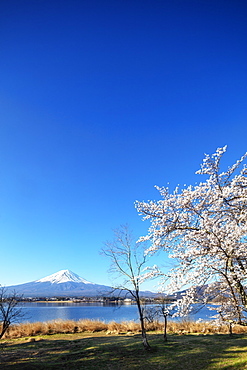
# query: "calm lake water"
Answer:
x=44 y=311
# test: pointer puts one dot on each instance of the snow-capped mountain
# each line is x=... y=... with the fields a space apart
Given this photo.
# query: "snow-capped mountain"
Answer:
x=65 y=283
x=63 y=276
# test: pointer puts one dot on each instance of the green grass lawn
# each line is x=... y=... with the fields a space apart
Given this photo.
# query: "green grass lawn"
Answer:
x=100 y=351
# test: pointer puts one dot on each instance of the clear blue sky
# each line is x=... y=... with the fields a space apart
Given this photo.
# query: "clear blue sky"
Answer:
x=99 y=102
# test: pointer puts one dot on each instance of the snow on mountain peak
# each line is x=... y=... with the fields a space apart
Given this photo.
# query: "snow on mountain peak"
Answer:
x=63 y=276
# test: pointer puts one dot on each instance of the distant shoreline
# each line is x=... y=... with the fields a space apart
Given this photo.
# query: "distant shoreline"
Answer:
x=114 y=300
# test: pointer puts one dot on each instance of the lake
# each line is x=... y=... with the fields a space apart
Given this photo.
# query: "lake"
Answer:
x=47 y=311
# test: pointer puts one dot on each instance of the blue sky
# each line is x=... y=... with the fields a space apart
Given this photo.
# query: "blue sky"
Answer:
x=99 y=102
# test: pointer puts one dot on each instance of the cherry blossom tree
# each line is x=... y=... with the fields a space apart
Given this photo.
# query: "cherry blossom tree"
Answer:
x=204 y=229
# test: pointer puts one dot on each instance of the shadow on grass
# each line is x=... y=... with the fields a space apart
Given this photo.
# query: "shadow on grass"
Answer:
x=126 y=352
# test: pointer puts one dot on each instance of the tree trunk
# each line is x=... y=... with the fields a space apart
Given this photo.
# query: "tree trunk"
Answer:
x=230 y=329
x=165 y=327
x=144 y=335
x=4 y=328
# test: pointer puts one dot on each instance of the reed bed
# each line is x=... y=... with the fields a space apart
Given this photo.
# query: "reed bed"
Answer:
x=125 y=327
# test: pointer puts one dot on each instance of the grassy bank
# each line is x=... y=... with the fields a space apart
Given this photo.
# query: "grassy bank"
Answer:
x=89 y=344
x=102 y=351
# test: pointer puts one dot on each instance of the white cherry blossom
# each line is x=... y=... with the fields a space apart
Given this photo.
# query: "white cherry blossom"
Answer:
x=204 y=229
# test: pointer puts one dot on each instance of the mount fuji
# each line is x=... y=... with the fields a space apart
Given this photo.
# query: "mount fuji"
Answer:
x=65 y=283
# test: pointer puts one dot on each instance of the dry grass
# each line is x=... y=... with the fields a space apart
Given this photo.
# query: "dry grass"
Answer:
x=92 y=326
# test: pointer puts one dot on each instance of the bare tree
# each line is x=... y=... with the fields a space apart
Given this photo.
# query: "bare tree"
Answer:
x=127 y=262
x=164 y=308
x=9 y=312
